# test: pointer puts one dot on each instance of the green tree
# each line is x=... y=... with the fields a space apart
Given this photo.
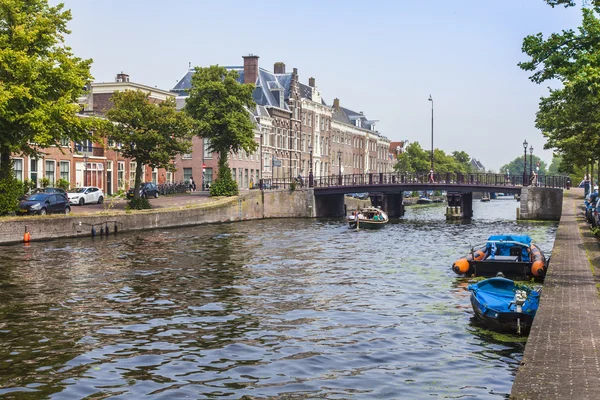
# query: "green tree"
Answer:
x=221 y=106
x=150 y=134
x=569 y=116
x=515 y=167
x=40 y=80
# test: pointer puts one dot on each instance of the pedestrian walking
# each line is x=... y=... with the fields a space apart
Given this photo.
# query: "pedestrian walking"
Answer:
x=431 y=180
x=192 y=184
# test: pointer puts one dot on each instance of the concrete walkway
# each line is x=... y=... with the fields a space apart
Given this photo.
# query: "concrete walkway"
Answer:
x=562 y=355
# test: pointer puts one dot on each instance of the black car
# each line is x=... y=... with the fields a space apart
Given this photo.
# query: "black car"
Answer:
x=148 y=189
x=44 y=203
x=44 y=190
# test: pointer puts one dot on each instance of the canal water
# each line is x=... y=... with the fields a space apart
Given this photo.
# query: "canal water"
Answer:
x=292 y=308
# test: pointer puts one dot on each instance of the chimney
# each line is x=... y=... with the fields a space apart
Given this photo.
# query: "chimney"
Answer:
x=122 y=77
x=311 y=82
x=250 y=68
x=279 y=68
x=336 y=104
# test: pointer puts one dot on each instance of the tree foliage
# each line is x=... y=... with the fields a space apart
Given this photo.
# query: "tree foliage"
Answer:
x=569 y=117
x=415 y=159
x=516 y=167
x=221 y=106
x=150 y=134
x=40 y=80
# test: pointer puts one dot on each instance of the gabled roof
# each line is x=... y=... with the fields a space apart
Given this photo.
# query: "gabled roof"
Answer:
x=266 y=93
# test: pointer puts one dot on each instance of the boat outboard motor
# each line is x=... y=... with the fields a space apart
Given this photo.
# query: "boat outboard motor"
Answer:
x=520 y=297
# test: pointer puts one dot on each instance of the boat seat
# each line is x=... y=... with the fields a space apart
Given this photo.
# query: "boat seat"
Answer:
x=515 y=251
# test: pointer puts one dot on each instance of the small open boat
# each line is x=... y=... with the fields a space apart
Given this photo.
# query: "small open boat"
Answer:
x=424 y=200
x=504 y=305
x=513 y=255
x=485 y=197
x=368 y=218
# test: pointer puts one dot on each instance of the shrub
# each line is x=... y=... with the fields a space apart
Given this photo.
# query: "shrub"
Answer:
x=139 y=204
x=28 y=186
x=224 y=185
x=10 y=191
x=45 y=182
x=63 y=184
x=292 y=186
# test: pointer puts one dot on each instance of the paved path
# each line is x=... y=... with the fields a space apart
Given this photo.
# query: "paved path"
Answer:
x=562 y=355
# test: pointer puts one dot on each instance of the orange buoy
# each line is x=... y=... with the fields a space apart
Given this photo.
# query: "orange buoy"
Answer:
x=538 y=266
x=461 y=266
x=26 y=236
x=478 y=255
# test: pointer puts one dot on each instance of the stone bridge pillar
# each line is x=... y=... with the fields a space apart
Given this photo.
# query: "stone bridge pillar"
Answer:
x=460 y=206
x=329 y=206
x=540 y=203
x=393 y=205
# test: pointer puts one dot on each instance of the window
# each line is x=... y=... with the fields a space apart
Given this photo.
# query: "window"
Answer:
x=132 y=167
x=187 y=174
x=51 y=171
x=121 y=174
x=64 y=142
x=86 y=146
x=207 y=153
x=208 y=176
x=64 y=171
x=18 y=168
x=155 y=176
x=187 y=156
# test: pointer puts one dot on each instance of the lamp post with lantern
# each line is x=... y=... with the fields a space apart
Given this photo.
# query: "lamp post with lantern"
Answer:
x=85 y=161
x=340 y=165
x=525 y=162
x=310 y=167
x=531 y=160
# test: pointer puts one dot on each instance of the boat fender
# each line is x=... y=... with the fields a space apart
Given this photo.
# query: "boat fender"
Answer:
x=461 y=266
x=538 y=267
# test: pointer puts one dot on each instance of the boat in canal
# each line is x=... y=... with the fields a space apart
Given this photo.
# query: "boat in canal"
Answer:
x=368 y=218
x=514 y=255
x=486 y=197
x=424 y=200
x=503 y=305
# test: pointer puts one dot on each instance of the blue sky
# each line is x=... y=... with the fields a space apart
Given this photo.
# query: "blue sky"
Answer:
x=381 y=57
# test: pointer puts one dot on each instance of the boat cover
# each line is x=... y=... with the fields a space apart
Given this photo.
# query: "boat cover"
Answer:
x=503 y=249
x=497 y=294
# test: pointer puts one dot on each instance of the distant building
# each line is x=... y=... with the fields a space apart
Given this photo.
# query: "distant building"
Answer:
x=477 y=166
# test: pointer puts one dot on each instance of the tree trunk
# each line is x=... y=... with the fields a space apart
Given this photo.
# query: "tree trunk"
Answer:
x=138 y=179
x=5 y=164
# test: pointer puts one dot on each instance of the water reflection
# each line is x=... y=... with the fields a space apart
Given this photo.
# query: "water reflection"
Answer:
x=264 y=309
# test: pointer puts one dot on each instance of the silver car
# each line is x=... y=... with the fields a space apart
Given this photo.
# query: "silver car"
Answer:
x=86 y=194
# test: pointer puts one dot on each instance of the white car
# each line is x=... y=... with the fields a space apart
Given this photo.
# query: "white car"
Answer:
x=86 y=194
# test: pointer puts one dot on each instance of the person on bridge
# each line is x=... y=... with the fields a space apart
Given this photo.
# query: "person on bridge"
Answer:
x=431 y=180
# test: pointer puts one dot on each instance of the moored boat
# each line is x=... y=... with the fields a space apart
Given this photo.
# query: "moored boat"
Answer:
x=514 y=255
x=424 y=200
x=504 y=305
x=368 y=218
x=485 y=197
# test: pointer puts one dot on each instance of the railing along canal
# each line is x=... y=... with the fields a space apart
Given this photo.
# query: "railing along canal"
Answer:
x=374 y=179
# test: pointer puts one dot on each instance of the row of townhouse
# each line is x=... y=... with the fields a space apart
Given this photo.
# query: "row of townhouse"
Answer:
x=293 y=127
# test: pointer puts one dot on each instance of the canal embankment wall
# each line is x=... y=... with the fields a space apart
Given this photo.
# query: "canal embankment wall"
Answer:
x=562 y=354
x=247 y=206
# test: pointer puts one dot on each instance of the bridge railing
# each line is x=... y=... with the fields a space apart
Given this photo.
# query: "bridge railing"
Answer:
x=397 y=178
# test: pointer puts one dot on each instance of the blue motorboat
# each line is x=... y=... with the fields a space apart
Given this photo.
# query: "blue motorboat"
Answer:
x=503 y=305
x=514 y=255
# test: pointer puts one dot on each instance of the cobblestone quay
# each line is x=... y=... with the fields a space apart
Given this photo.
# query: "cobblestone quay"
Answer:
x=562 y=355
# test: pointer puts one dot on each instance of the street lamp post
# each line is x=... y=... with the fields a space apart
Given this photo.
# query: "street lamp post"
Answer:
x=531 y=160
x=85 y=160
x=310 y=167
x=340 y=165
x=431 y=100
x=525 y=162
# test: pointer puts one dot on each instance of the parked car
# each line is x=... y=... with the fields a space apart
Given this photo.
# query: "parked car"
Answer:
x=45 y=190
x=148 y=189
x=44 y=203
x=85 y=194
x=595 y=219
